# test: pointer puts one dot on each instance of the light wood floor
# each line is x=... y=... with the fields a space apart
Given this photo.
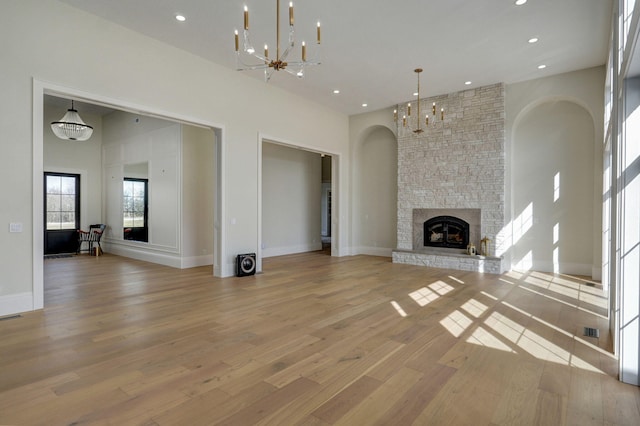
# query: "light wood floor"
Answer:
x=314 y=340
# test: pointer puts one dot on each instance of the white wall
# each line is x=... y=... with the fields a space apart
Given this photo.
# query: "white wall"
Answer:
x=375 y=194
x=553 y=178
x=584 y=89
x=291 y=193
x=78 y=157
x=360 y=128
x=133 y=139
x=106 y=62
x=198 y=186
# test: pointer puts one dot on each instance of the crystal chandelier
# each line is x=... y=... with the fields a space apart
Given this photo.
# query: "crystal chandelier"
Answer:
x=270 y=64
x=71 y=126
x=407 y=117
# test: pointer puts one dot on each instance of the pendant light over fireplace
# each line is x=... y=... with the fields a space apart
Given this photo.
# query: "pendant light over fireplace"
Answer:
x=407 y=117
x=71 y=126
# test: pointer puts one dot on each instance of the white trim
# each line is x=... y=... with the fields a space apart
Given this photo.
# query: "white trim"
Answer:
x=281 y=251
x=161 y=258
x=259 y=253
x=596 y=273
x=195 y=261
x=567 y=268
x=16 y=303
x=335 y=236
x=372 y=251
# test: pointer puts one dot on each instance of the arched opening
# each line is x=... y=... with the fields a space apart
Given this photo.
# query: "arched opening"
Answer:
x=375 y=192
x=552 y=189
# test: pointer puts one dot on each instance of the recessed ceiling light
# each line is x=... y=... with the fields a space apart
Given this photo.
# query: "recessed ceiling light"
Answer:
x=520 y=2
x=364 y=105
x=467 y=83
x=541 y=67
x=533 y=40
x=180 y=18
x=335 y=92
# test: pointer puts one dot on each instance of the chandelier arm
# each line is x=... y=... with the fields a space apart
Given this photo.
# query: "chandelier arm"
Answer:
x=268 y=72
x=302 y=64
x=254 y=67
x=246 y=67
x=286 y=53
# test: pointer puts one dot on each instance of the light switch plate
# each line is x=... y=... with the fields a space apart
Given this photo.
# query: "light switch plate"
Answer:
x=15 y=227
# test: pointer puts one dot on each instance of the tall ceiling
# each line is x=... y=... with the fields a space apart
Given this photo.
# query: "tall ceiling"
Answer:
x=371 y=47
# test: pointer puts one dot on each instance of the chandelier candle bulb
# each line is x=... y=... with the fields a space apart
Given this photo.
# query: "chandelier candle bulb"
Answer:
x=434 y=108
x=246 y=18
x=395 y=115
x=318 y=32
x=266 y=51
x=404 y=121
x=237 y=41
x=426 y=120
x=441 y=113
x=409 y=109
x=291 y=14
x=304 y=52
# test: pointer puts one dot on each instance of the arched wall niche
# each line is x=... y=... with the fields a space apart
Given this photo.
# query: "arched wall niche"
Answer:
x=553 y=176
x=375 y=191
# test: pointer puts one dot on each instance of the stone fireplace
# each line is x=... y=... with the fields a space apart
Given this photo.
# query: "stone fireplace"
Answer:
x=454 y=169
x=446 y=231
x=445 y=228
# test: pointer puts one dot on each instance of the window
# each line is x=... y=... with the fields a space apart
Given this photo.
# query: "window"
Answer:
x=135 y=208
x=62 y=201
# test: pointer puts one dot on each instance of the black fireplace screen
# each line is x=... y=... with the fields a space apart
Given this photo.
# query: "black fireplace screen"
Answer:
x=446 y=231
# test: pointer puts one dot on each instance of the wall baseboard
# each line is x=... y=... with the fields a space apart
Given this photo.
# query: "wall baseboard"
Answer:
x=16 y=303
x=596 y=273
x=372 y=251
x=281 y=251
x=166 y=259
x=568 y=268
x=195 y=261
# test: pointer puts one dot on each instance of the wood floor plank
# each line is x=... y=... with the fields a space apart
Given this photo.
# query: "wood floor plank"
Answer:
x=313 y=340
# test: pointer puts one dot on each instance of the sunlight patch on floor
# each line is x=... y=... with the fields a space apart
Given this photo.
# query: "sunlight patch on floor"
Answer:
x=456 y=323
x=474 y=308
x=423 y=296
x=482 y=337
x=555 y=299
x=441 y=287
x=398 y=308
x=534 y=344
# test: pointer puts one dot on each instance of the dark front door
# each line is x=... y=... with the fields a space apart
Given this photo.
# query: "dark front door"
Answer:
x=62 y=212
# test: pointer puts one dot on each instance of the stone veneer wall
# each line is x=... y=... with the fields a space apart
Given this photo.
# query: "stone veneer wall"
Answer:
x=455 y=163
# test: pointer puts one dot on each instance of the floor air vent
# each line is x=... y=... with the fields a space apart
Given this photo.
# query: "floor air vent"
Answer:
x=592 y=332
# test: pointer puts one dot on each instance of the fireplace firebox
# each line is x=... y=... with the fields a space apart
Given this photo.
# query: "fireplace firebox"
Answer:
x=446 y=231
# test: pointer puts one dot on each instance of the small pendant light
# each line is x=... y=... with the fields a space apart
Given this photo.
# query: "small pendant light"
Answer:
x=71 y=126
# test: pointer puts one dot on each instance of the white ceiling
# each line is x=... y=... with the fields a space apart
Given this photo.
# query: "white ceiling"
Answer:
x=371 y=47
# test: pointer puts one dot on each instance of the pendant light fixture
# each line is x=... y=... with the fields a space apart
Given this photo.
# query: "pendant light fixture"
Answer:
x=71 y=126
x=405 y=118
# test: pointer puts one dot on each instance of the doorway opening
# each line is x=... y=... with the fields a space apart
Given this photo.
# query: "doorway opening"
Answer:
x=41 y=91
x=297 y=203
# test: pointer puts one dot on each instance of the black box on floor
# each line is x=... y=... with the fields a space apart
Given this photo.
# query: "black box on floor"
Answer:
x=245 y=264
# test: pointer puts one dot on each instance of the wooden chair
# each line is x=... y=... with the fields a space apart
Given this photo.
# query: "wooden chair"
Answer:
x=92 y=238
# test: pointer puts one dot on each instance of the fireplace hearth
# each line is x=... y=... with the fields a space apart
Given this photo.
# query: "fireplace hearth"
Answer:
x=446 y=231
